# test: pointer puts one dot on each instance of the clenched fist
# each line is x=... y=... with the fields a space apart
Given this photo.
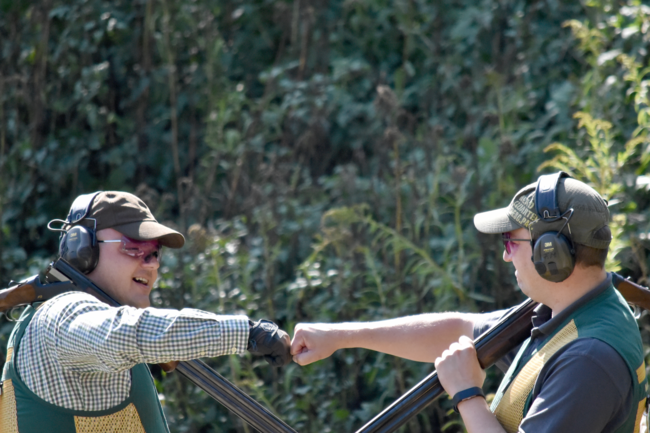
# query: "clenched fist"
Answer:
x=313 y=342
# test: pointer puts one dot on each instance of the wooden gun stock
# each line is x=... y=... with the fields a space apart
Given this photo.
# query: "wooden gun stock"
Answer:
x=31 y=290
x=22 y=293
x=632 y=292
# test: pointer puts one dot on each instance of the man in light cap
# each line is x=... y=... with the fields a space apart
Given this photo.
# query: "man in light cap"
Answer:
x=582 y=368
x=76 y=364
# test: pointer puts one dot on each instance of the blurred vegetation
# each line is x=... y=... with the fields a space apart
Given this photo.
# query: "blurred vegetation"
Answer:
x=324 y=158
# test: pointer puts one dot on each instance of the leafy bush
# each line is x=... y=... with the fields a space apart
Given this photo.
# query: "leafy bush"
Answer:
x=325 y=160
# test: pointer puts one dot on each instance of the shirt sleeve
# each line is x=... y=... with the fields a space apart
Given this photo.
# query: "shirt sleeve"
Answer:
x=86 y=335
x=585 y=388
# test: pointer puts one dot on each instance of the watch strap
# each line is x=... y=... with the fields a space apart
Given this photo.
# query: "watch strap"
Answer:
x=466 y=394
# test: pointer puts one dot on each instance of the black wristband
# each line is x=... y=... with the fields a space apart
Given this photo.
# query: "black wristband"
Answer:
x=466 y=394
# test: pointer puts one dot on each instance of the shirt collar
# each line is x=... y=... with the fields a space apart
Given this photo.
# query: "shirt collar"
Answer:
x=545 y=324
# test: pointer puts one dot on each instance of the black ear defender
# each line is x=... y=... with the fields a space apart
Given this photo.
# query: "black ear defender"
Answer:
x=553 y=252
x=78 y=243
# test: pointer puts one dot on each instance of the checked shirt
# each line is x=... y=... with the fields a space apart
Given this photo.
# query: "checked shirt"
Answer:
x=77 y=351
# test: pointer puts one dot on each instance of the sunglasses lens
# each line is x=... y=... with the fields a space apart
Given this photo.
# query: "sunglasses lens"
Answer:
x=505 y=237
x=148 y=251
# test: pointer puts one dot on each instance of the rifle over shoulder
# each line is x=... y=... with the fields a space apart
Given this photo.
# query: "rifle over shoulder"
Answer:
x=32 y=290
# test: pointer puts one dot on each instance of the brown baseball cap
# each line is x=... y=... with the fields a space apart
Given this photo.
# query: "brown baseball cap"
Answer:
x=590 y=214
x=130 y=216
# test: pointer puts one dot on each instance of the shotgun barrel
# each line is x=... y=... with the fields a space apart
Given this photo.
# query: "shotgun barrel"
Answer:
x=492 y=345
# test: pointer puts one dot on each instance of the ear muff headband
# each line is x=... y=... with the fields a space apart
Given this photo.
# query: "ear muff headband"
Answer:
x=553 y=253
x=78 y=244
x=80 y=207
x=546 y=204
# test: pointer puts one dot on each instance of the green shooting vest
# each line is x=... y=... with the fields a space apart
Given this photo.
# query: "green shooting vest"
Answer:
x=22 y=411
x=608 y=318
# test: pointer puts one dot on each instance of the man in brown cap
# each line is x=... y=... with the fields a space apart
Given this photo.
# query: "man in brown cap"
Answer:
x=76 y=364
x=581 y=370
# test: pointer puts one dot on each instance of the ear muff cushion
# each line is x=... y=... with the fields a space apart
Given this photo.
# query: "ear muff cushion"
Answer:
x=552 y=257
x=79 y=248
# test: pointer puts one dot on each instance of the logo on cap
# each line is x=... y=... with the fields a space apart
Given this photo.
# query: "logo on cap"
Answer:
x=521 y=210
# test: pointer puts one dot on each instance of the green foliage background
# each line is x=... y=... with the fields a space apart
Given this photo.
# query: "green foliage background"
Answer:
x=324 y=158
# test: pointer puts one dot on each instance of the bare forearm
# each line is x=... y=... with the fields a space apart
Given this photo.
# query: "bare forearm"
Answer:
x=478 y=418
x=420 y=338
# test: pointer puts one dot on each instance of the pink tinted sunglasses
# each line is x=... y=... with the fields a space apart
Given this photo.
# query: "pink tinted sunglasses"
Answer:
x=507 y=240
x=147 y=251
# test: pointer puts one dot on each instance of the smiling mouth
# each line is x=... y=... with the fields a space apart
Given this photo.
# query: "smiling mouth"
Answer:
x=141 y=280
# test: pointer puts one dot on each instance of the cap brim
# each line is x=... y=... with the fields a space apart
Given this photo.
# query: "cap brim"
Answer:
x=495 y=221
x=149 y=230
